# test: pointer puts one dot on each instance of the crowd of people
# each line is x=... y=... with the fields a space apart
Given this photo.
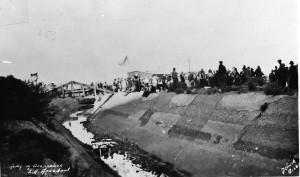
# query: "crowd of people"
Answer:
x=285 y=76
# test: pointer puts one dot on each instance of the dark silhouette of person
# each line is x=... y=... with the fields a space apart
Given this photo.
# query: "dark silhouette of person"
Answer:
x=174 y=75
x=222 y=75
x=272 y=76
x=281 y=74
x=248 y=73
x=202 y=77
x=164 y=82
x=244 y=69
x=182 y=77
x=100 y=85
x=293 y=76
x=252 y=73
x=190 y=77
x=137 y=82
x=243 y=76
x=236 y=76
x=286 y=73
x=235 y=73
x=276 y=73
x=258 y=72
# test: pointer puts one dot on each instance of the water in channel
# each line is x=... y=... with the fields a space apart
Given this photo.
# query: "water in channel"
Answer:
x=117 y=161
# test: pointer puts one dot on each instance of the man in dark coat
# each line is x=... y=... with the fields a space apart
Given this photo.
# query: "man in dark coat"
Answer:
x=222 y=75
x=243 y=76
x=276 y=73
x=137 y=82
x=258 y=72
x=174 y=75
x=252 y=72
x=272 y=76
x=282 y=74
x=248 y=73
x=293 y=76
x=190 y=77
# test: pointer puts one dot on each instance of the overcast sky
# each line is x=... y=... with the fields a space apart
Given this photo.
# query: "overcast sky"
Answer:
x=84 y=40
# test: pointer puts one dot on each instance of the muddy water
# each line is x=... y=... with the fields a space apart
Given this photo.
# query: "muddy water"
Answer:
x=117 y=160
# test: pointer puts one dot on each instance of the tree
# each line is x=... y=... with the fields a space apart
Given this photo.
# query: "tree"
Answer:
x=23 y=100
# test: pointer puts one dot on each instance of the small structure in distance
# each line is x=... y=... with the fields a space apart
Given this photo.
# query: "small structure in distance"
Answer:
x=73 y=89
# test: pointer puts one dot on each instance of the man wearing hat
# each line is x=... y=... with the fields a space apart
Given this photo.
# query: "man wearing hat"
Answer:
x=279 y=61
x=293 y=76
x=276 y=73
x=258 y=72
x=222 y=75
x=282 y=74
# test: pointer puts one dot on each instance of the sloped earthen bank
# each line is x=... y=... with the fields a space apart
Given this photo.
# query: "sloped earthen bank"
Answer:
x=217 y=134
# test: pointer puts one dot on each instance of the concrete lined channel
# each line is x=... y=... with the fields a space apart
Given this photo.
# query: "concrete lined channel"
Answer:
x=206 y=134
x=193 y=134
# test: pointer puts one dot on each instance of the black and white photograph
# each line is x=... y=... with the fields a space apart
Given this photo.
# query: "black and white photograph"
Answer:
x=149 y=88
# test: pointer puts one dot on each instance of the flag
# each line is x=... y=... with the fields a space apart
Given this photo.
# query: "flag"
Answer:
x=34 y=74
x=124 y=62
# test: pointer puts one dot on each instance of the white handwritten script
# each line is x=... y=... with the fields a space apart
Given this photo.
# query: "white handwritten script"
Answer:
x=40 y=169
x=290 y=167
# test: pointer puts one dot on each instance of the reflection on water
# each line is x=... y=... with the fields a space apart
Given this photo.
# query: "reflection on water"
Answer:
x=117 y=161
x=104 y=143
x=124 y=166
x=78 y=130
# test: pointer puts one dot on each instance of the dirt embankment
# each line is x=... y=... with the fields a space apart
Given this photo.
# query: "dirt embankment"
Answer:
x=217 y=134
x=79 y=160
x=62 y=108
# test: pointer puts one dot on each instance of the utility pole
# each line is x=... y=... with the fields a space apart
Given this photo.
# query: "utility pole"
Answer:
x=72 y=88
x=63 y=91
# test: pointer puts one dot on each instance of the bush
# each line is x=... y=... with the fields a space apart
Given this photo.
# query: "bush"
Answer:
x=211 y=91
x=23 y=100
x=182 y=85
x=264 y=107
x=188 y=91
x=260 y=81
x=273 y=88
x=29 y=147
x=170 y=87
x=251 y=86
x=179 y=90
x=235 y=88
